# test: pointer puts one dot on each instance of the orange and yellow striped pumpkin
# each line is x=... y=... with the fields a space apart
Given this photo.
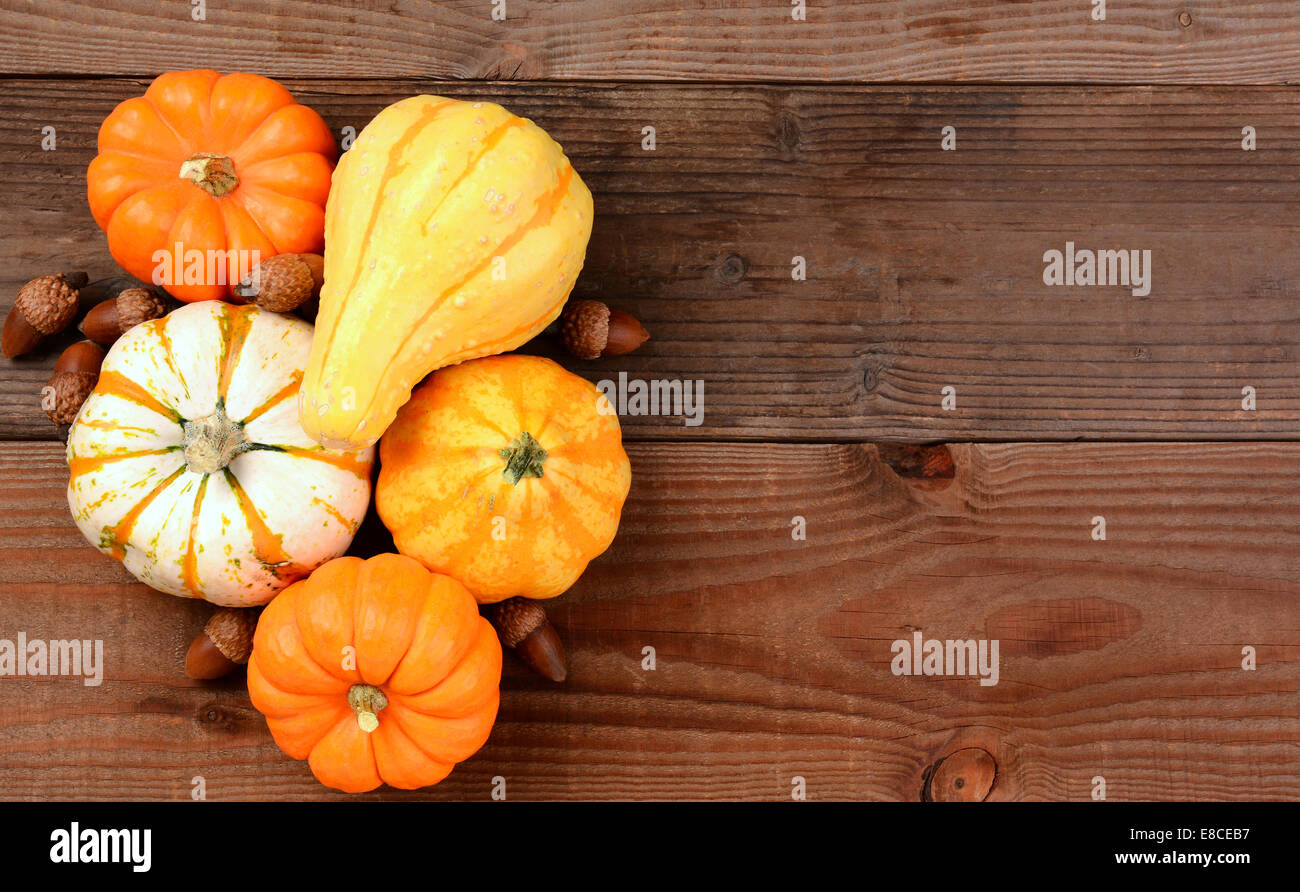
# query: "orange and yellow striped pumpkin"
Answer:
x=188 y=463
x=504 y=473
x=453 y=230
x=376 y=672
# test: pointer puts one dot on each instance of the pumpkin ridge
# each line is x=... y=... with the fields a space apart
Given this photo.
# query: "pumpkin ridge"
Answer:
x=113 y=539
x=169 y=356
x=570 y=522
x=227 y=124
x=239 y=202
x=393 y=728
x=258 y=677
x=405 y=699
x=190 y=147
x=394 y=154
x=190 y=569
x=430 y=597
x=81 y=464
x=344 y=461
x=473 y=414
x=114 y=383
x=268 y=547
x=234 y=333
x=288 y=390
x=342 y=726
x=332 y=673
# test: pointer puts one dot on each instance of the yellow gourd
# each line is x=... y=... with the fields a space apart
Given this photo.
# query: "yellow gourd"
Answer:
x=454 y=230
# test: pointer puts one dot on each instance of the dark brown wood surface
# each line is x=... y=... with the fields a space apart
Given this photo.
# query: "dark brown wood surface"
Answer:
x=924 y=267
x=1140 y=41
x=1119 y=658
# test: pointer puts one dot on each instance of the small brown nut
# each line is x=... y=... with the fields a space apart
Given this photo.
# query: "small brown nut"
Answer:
x=43 y=307
x=225 y=642
x=284 y=282
x=74 y=377
x=589 y=329
x=523 y=627
x=109 y=320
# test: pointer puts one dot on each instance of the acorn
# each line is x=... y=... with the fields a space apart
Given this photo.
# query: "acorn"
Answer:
x=74 y=377
x=225 y=642
x=109 y=320
x=589 y=329
x=283 y=283
x=44 y=306
x=524 y=628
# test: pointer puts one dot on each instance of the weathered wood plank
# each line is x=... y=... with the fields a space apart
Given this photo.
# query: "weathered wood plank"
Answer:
x=1140 y=41
x=924 y=266
x=1119 y=658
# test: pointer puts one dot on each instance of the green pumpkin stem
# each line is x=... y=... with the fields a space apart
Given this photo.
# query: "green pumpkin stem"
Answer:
x=524 y=458
x=366 y=701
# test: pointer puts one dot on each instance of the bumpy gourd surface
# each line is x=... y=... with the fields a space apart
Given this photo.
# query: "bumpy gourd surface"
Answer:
x=387 y=622
x=453 y=230
x=444 y=494
x=238 y=534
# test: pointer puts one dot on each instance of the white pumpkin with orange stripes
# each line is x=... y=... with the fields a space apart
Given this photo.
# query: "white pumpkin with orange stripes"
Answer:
x=188 y=463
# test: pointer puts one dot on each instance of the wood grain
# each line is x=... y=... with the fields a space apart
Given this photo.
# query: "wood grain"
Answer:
x=1141 y=41
x=924 y=266
x=1120 y=658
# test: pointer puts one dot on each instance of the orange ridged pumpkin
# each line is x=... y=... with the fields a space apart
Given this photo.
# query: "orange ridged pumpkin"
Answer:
x=505 y=473
x=227 y=164
x=376 y=671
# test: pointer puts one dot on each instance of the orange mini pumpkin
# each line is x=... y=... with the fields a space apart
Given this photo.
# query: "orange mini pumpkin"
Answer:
x=376 y=671
x=507 y=473
x=204 y=176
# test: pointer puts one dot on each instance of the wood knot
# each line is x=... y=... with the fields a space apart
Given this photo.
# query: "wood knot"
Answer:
x=871 y=378
x=1185 y=19
x=930 y=467
x=966 y=775
x=732 y=269
x=787 y=137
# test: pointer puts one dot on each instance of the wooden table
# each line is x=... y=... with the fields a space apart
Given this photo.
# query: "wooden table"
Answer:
x=778 y=139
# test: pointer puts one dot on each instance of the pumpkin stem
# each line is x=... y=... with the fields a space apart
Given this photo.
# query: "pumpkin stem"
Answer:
x=214 y=174
x=212 y=443
x=366 y=700
x=524 y=458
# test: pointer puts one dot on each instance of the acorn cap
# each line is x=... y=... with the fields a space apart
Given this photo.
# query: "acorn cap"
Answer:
x=49 y=303
x=584 y=329
x=284 y=282
x=136 y=305
x=523 y=627
x=231 y=630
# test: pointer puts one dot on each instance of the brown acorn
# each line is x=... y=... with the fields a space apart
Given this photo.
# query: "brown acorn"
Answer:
x=589 y=329
x=74 y=377
x=109 y=320
x=524 y=628
x=44 y=306
x=283 y=283
x=225 y=642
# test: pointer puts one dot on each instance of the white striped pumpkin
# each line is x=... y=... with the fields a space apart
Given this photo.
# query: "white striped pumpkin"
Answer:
x=188 y=463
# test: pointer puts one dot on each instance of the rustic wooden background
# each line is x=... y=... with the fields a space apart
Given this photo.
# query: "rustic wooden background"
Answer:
x=775 y=138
